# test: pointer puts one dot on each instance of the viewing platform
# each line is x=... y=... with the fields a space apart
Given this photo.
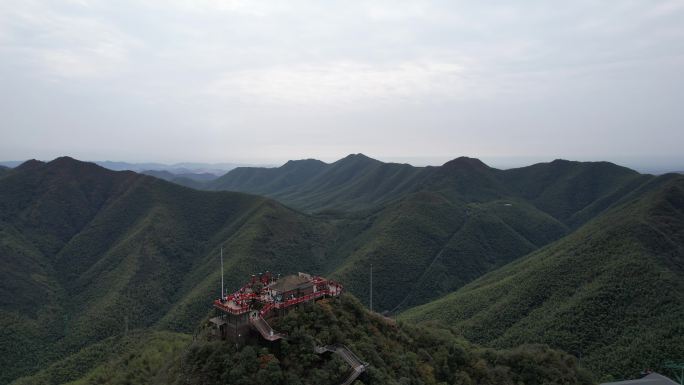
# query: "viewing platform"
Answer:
x=266 y=296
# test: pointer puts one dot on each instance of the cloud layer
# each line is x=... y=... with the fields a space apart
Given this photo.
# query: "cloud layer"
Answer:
x=213 y=80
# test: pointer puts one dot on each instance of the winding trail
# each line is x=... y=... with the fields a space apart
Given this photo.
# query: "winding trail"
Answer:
x=357 y=365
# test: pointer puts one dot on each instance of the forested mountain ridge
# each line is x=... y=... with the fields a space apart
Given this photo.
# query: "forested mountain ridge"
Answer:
x=193 y=180
x=494 y=216
x=269 y=180
x=572 y=192
x=611 y=291
x=437 y=228
x=88 y=253
x=354 y=182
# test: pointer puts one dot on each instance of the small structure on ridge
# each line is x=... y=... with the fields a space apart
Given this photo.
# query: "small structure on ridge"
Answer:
x=263 y=298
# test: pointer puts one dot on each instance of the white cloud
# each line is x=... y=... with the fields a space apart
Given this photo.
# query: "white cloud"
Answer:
x=342 y=83
x=259 y=8
x=666 y=8
x=65 y=45
x=211 y=71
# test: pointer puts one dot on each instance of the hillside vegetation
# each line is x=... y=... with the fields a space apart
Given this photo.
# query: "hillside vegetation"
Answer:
x=425 y=245
x=88 y=254
x=397 y=354
x=612 y=291
x=192 y=180
x=571 y=192
x=134 y=358
x=433 y=229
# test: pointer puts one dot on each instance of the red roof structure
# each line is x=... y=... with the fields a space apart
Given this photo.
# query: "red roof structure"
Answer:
x=265 y=295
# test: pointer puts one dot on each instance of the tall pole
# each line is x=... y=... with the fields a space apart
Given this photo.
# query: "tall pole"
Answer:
x=221 y=273
x=371 y=287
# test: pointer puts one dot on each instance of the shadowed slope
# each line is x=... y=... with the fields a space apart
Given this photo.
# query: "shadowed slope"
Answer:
x=355 y=182
x=396 y=354
x=434 y=229
x=612 y=290
x=571 y=192
x=87 y=252
x=267 y=181
x=196 y=181
x=425 y=246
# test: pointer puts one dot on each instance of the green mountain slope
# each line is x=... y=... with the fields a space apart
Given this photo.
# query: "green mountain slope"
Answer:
x=397 y=354
x=571 y=192
x=123 y=359
x=355 y=182
x=88 y=252
x=425 y=246
x=466 y=179
x=434 y=229
x=266 y=181
x=612 y=290
x=196 y=181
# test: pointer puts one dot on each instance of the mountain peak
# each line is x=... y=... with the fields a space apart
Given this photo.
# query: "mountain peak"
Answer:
x=67 y=161
x=303 y=162
x=464 y=161
x=67 y=164
x=29 y=165
x=358 y=158
x=563 y=162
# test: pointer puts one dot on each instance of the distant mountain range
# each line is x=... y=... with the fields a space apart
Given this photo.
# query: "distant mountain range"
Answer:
x=176 y=168
x=359 y=182
x=188 y=179
x=584 y=256
x=185 y=169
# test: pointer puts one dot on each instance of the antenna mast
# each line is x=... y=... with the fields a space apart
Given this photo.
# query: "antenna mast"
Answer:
x=371 y=288
x=221 y=273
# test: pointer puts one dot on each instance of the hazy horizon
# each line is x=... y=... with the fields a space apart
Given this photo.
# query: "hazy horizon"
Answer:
x=418 y=82
x=645 y=165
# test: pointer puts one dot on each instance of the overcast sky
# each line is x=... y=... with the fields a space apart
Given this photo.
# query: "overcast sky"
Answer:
x=267 y=81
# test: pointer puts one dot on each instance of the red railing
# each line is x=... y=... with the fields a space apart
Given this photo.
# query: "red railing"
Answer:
x=304 y=298
x=266 y=309
x=241 y=300
x=229 y=309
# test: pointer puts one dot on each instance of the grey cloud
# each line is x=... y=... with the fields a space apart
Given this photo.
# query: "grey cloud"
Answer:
x=265 y=81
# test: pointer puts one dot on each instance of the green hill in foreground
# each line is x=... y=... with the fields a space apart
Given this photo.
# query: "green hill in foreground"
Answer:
x=611 y=291
x=397 y=354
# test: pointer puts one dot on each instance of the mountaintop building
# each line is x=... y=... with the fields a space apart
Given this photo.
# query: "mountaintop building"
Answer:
x=263 y=298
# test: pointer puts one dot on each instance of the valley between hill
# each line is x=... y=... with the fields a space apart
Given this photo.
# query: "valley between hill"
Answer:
x=585 y=257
